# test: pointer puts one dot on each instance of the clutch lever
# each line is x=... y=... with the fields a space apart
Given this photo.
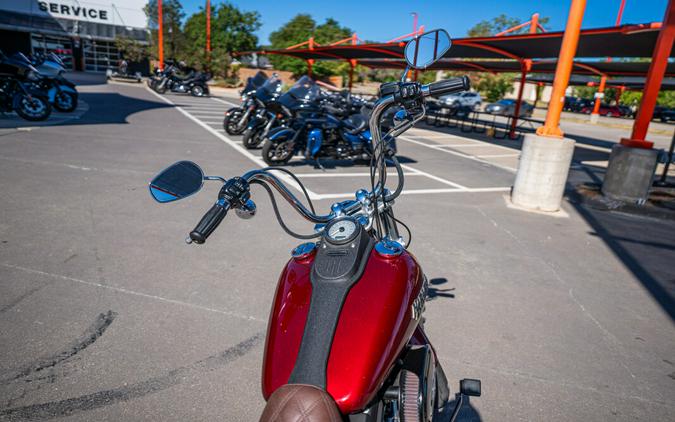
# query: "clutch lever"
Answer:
x=410 y=122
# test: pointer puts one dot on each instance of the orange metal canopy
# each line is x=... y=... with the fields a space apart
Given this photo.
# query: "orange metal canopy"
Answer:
x=581 y=67
x=622 y=41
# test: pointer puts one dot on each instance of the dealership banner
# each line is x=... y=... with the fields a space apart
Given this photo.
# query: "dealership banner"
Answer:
x=120 y=12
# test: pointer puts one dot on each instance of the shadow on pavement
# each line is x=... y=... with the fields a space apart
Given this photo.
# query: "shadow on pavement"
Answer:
x=646 y=246
x=435 y=292
x=467 y=413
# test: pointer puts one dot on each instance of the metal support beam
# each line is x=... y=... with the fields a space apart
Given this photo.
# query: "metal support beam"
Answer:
x=568 y=50
x=208 y=28
x=657 y=69
x=160 y=35
x=598 y=98
x=310 y=62
x=525 y=67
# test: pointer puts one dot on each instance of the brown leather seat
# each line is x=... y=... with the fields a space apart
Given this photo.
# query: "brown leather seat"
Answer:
x=300 y=403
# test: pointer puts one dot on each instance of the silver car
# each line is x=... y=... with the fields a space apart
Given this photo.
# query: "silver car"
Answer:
x=507 y=107
x=466 y=99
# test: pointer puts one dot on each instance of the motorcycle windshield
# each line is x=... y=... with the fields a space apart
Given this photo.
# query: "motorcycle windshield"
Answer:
x=305 y=91
x=268 y=89
x=255 y=82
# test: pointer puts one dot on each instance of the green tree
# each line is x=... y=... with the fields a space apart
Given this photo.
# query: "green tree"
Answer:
x=500 y=23
x=493 y=87
x=172 y=16
x=231 y=30
x=300 y=29
x=130 y=49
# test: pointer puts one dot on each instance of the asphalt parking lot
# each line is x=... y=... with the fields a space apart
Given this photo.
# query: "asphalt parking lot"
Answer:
x=106 y=314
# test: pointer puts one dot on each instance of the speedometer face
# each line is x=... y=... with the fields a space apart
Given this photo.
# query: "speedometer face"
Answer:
x=342 y=230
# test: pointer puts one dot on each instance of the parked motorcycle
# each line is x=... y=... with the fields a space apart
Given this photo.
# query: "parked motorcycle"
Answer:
x=194 y=83
x=236 y=119
x=61 y=92
x=345 y=340
x=318 y=130
x=280 y=112
x=121 y=73
x=17 y=92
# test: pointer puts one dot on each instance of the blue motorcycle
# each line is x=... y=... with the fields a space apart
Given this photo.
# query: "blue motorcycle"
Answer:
x=316 y=131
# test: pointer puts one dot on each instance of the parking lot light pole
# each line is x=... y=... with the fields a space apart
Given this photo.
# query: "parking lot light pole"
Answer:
x=546 y=156
x=160 y=35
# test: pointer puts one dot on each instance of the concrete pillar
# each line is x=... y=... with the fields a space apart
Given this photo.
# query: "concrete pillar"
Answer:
x=630 y=173
x=542 y=172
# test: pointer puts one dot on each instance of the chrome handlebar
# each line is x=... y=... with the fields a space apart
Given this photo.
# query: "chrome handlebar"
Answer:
x=272 y=180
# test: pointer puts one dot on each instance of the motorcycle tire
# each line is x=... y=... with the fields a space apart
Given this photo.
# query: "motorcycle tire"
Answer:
x=33 y=108
x=274 y=154
x=231 y=120
x=65 y=101
x=197 y=91
x=252 y=138
x=160 y=89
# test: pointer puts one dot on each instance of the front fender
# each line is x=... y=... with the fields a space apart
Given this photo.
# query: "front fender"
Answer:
x=281 y=134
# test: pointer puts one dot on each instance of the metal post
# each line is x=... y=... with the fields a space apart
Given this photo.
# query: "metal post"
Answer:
x=664 y=175
x=310 y=62
x=352 y=64
x=657 y=69
x=598 y=98
x=208 y=28
x=525 y=67
x=160 y=35
x=568 y=50
x=618 y=17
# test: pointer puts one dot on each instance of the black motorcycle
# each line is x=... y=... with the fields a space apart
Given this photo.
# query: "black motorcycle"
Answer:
x=194 y=83
x=17 y=93
x=237 y=118
x=318 y=129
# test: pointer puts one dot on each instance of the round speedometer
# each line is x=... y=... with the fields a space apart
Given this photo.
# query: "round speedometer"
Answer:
x=342 y=231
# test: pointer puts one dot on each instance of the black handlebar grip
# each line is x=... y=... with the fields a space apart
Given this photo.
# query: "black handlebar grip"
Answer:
x=209 y=222
x=449 y=86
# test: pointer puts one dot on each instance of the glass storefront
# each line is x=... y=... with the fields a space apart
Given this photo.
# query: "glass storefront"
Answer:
x=99 y=55
x=61 y=46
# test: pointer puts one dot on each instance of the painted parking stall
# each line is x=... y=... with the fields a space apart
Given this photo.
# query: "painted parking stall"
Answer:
x=434 y=163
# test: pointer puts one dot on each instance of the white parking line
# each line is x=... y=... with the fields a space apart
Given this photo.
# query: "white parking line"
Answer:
x=225 y=102
x=314 y=175
x=498 y=155
x=257 y=160
x=418 y=192
x=432 y=177
x=466 y=145
x=456 y=153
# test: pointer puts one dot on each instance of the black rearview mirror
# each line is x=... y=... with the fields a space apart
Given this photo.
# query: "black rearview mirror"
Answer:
x=425 y=49
x=177 y=181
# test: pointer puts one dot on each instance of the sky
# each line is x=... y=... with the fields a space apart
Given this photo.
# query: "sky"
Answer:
x=384 y=20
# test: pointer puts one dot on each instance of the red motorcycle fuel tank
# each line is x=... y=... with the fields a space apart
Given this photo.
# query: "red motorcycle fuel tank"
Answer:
x=376 y=321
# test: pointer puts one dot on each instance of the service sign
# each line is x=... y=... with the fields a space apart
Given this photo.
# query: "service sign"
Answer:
x=118 y=12
x=76 y=10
